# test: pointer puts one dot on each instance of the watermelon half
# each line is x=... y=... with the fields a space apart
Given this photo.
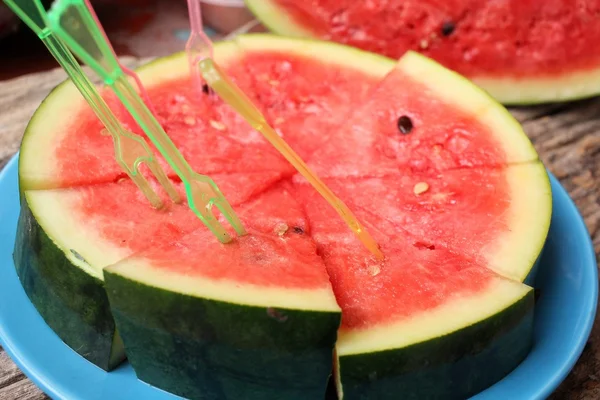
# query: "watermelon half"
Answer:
x=448 y=185
x=519 y=51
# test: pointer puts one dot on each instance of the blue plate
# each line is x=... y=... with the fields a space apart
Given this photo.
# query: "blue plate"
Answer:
x=568 y=283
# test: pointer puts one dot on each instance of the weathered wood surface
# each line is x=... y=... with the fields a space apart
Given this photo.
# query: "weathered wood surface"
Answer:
x=567 y=137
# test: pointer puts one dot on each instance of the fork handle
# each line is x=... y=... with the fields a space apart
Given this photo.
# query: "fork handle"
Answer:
x=81 y=81
x=96 y=102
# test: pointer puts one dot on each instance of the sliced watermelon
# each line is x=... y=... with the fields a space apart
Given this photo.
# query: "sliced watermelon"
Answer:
x=258 y=318
x=519 y=51
x=422 y=287
x=254 y=319
x=66 y=237
x=424 y=323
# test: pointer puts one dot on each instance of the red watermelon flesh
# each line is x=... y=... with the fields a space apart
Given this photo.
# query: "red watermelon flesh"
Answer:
x=117 y=217
x=437 y=136
x=114 y=208
x=415 y=276
x=276 y=210
x=357 y=114
x=464 y=210
x=277 y=252
x=302 y=100
x=443 y=138
x=408 y=282
x=209 y=134
x=257 y=259
x=326 y=227
x=490 y=38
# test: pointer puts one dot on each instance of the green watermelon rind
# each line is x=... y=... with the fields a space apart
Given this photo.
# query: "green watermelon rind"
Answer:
x=216 y=349
x=474 y=357
x=578 y=85
x=276 y=19
x=72 y=302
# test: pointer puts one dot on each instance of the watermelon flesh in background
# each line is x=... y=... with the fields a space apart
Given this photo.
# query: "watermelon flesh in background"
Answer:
x=259 y=318
x=520 y=51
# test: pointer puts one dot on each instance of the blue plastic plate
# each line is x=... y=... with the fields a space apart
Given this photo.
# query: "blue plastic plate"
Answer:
x=568 y=283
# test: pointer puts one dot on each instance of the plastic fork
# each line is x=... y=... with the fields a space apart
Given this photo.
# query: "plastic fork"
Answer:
x=75 y=23
x=130 y=150
x=236 y=98
x=198 y=45
x=200 y=57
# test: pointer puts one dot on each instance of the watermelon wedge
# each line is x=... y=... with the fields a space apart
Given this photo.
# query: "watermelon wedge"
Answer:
x=519 y=51
x=60 y=254
x=278 y=312
x=453 y=210
x=256 y=319
x=403 y=333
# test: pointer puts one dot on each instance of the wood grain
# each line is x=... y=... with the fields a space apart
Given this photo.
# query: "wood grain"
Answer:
x=567 y=136
x=22 y=390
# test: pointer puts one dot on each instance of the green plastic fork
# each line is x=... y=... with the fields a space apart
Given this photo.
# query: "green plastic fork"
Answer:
x=76 y=24
x=130 y=149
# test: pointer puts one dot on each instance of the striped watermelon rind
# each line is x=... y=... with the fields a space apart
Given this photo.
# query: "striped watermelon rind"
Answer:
x=71 y=301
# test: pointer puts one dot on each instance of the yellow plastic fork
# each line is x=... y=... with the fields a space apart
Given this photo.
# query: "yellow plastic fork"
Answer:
x=237 y=99
x=200 y=57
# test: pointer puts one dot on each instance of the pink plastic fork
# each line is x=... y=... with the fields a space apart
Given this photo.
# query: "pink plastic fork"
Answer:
x=199 y=45
x=126 y=70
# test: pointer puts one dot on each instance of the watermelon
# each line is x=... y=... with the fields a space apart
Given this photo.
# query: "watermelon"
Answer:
x=519 y=51
x=449 y=186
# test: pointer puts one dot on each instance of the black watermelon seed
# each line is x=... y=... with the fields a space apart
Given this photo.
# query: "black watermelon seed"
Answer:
x=423 y=246
x=405 y=125
x=447 y=28
x=205 y=89
x=298 y=230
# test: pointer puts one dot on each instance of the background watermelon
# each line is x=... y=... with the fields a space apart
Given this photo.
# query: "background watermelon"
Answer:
x=521 y=51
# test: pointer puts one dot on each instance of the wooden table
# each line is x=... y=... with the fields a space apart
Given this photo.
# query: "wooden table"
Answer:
x=567 y=137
